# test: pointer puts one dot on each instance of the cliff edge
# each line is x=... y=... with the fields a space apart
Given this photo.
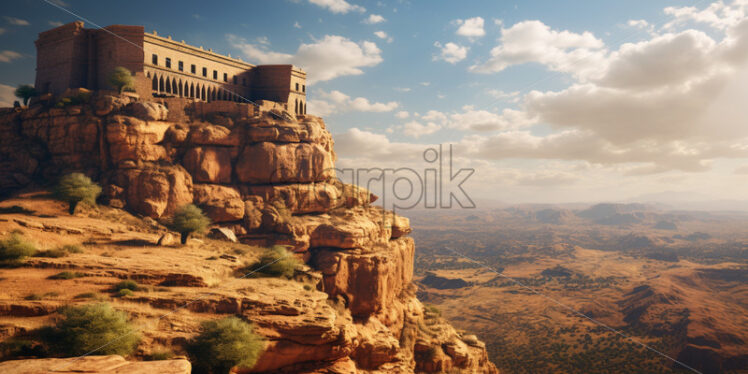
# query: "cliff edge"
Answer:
x=267 y=176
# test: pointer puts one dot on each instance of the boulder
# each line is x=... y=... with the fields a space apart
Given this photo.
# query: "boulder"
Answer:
x=168 y=240
x=155 y=192
x=222 y=233
x=263 y=163
x=208 y=164
x=214 y=135
x=220 y=203
x=134 y=140
x=106 y=104
x=298 y=198
x=148 y=111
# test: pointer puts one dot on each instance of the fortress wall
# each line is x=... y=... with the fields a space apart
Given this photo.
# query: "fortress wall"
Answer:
x=62 y=58
x=123 y=49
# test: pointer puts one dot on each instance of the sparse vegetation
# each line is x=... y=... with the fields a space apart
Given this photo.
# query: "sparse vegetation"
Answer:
x=121 y=78
x=97 y=329
x=75 y=188
x=124 y=293
x=72 y=248
x=25 y=92
x=189 y=219
x=67 y=275
x=223 y=344
x=88 y=295
x=51 y=253
x=15 y=209
x=277 y=261
x=159 y=355
x=126 y=285
x=14 y=249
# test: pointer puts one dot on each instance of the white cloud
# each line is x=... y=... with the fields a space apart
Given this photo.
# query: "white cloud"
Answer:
x=450 y=52
x=638 y=23
x=425 y=84
x=402 y=114
x=8 y=56
x=7 y=95
x=483 y=120
x=383 y=35
x=55 y=23
x=718 y=14
x=415 y=129
x=326 y=103
x=331 y=57
x=297 y=25
x=374 y=19
x=17 y=21
x=533 y=41
x=402 y=89
x=471 y=27
x=501 y=95
x=338 y=6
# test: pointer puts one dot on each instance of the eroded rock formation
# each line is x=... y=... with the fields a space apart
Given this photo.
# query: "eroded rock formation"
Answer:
x=270 y=179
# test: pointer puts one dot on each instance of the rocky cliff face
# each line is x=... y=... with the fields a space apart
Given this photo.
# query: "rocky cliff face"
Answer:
x=269 y=178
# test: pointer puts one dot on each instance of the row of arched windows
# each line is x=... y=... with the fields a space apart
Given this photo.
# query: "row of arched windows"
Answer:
x=164 y=84
x=300 y=107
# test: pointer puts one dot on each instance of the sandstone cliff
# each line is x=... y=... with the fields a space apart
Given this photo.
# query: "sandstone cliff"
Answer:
x=269 y=178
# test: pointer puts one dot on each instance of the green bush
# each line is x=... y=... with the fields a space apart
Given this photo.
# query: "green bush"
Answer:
x=72 y=248
x=126 y=285
x=223 y=344
x=87 y=295
x=124 y=293
x=97 y=329
x=67 y=275
x=15 y=249
x=33 y=296
x=277 y=261
x=159 y=355
x=76 y=187
x=122 y=79
x=188 y=219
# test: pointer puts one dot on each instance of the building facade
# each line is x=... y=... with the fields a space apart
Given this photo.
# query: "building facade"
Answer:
x=72 y=56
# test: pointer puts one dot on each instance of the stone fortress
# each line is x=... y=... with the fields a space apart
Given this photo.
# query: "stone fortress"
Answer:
x=72 y=56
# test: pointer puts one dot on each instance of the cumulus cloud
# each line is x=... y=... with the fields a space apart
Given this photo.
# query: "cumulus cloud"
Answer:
x=718 y=14
x=8 y=56
x=374 y=19
x=338 y=6
x=16 y=21
x=326 y=103
x=383 y=35
x=402 y=114
x=55 y=23
x=502 y=95
x=450 y=52
x=471 y=27
x=415 y=129
x=7 y=95
x=534 y=41
x=331 y=57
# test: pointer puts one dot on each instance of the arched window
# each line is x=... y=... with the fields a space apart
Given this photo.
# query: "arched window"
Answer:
x=154 y=84
x=296 y=109
x=168 y=85
x=192 y=90
x=203 y=93
x=174 y=86
x=179 y=87
x=304 y=108
x=161 y=84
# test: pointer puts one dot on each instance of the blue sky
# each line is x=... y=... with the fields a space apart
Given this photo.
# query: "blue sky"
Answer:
x=550 y=101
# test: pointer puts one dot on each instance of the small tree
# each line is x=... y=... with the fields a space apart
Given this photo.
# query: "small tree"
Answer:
x=121 y=78
x=25 y=92
x=189 y=219
x=95 y=329
x=76 y=187
x=225 y=343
